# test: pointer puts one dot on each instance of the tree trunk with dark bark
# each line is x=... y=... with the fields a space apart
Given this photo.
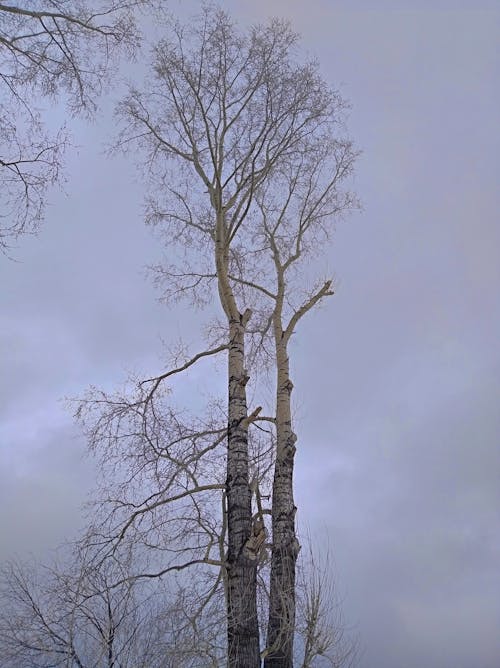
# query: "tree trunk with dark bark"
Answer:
x=242 y=618
x=281 y=624
x=242 y=630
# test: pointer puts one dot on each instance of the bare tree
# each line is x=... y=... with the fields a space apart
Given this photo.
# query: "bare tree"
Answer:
x=73 y=615
x=48 y=47
x=164 y=495
x=296 y=211
x=243 y=156
x=323 y=638
x=223 y=112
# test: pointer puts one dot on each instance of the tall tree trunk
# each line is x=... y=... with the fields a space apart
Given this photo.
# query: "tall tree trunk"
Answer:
x=242 y=629
x=281 y=624
x=242 y=619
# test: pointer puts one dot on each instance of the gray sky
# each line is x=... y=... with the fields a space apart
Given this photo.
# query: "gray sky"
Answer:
x=398 y=459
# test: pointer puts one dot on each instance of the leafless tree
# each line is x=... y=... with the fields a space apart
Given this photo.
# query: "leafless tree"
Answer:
x=48 y=47
x=75 y=615
x=243 y=152
x=323 y=640
x=70 y=614
x=163 y=494
x=224 y=111
x=297 y=209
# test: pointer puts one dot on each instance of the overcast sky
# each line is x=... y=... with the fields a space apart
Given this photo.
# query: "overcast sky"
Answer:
x=397 y=377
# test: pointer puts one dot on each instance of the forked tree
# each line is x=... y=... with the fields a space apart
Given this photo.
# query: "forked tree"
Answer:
x=244 y=151
x=222 y=116
x=49 y=47
x=296 y=210
x=270 y=269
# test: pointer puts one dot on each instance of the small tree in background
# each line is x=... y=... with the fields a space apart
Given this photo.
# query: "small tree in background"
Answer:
x=74 y=615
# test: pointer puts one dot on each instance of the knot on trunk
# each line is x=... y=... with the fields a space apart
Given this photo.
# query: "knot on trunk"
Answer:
x=256 y=541
x=245 y=317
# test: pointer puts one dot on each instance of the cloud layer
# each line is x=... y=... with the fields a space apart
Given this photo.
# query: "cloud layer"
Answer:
x=397 y=378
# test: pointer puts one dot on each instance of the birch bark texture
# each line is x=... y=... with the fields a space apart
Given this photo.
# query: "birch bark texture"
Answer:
x=241 y=578
x=222 y=112
x=297 y=211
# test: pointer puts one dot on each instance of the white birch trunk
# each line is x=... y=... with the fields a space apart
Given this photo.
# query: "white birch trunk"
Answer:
x=281 y=624
x=242 y=620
